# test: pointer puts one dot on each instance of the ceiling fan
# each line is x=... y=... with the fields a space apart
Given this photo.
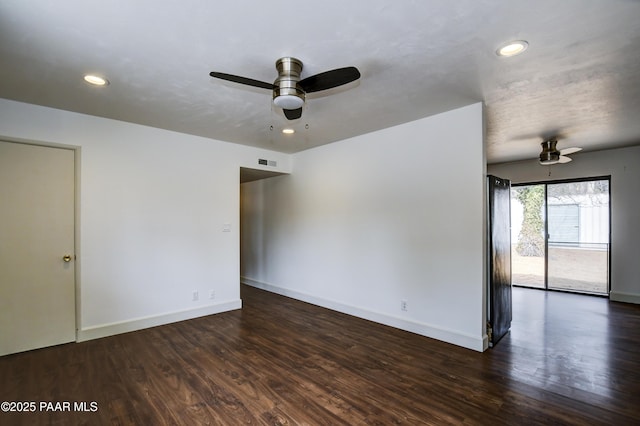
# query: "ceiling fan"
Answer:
x=550 y=154
x=289 y=90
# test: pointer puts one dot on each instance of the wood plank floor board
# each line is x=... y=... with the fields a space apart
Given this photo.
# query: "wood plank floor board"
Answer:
x=568 y=360
x=239 y=374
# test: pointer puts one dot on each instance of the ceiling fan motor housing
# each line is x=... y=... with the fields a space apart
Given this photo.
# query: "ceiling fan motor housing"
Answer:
x=287 y=93
x=549 y=154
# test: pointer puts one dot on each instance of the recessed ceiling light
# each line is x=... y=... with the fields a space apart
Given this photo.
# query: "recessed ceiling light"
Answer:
x=96 y=80
x=512 y=48
x=288 y=131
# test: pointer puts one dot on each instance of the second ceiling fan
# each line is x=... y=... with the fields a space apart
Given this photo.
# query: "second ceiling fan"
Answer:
x=289 y=90
x=551 y=155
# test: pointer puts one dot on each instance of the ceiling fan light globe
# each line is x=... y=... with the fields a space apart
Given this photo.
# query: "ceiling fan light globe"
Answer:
x=548 y=162
x=288 y=101
x=287 y=94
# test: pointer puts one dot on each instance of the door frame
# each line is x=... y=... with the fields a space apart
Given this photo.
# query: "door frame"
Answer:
x=76 y=211
x=546 y=229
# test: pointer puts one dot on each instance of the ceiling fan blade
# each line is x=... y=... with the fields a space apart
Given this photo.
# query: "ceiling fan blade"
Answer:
x=329 y=79
x=292 y=114
x=568 y=151
x=563 y=159
x=242 y=80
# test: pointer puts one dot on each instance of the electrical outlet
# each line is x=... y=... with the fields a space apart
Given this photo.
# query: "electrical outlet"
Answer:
x=403 y=305
x=212 y=294
x=196 y=296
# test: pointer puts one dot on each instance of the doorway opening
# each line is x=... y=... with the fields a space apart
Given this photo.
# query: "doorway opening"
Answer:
x=560 y=233
x=253 y=231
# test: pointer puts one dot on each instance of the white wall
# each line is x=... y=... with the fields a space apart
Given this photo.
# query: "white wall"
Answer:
x=393 y=215
x=151 y=210
x=623 y=165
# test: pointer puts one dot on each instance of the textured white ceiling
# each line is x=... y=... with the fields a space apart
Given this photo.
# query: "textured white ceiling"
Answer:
x=579 y=79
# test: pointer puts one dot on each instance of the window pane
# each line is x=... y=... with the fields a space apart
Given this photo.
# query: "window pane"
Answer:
x=527 y=235
x=579 y=236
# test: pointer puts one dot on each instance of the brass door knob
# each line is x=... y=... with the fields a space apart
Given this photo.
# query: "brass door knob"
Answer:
x=66 y=258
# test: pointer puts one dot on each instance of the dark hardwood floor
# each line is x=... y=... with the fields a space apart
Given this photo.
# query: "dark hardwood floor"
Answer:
x=569 y=359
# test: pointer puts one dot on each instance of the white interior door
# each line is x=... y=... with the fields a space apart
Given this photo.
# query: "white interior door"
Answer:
x=37 y=271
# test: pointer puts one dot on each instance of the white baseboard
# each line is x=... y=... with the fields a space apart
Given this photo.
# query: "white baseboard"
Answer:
x=615 y=296
x=450 y=336
x=105 y=330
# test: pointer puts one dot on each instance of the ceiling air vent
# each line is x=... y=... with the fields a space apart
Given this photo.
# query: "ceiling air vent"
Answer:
x=264 y=162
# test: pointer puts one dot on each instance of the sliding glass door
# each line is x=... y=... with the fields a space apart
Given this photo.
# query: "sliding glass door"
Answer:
x=578 y=230
x=560 y=235
x=527 y=235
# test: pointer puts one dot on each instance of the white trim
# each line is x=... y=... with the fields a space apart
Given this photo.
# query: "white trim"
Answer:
x=438 y=333
x=105 y=330
x=616 y=296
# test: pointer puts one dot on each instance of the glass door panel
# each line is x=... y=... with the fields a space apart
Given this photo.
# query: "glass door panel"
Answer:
x=578 y=236
x=527 y=236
